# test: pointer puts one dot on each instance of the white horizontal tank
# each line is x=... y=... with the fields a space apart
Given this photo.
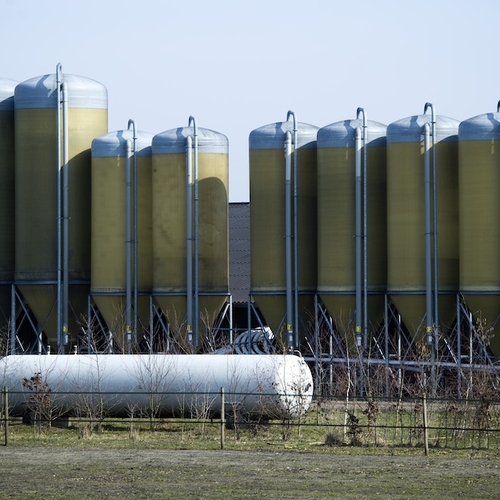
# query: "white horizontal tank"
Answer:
x=272 y=386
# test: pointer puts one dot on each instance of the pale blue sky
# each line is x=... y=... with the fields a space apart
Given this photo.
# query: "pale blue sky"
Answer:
x=237 y=65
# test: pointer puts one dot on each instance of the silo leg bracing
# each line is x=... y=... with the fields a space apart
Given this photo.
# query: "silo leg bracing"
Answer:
x=406 y=215
x=52 y=243
x=479 y=184
x=7 y=208
x=121 y=217
x=209 y=268
x=339 y=233
x=268 y=224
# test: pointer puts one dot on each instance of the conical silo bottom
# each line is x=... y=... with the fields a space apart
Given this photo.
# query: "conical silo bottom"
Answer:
x=113 y=310
x=273 y=309
x=175 y=309
x=485 y=310
x=42 y=300
x=342 y=309
x=412 y=309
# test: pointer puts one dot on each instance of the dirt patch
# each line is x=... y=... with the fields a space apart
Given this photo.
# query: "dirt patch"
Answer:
x=79 y=473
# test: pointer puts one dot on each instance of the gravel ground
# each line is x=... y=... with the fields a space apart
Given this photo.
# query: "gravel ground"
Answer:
x=81 y=473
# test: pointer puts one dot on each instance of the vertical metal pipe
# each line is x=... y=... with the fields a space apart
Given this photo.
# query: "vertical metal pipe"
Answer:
x=428 y=238
x=13 y=326
x=427 y=106
x=295 y=180
x=386 y=345
x=128 y=243
x=459 y=350
x=135 y=232
x=400 y=372
x=316 y=345
x=196 y=312
x=189 y=237
x=249 y=314
x=39 y=329
x=471 y=333
x=65 y=302
x=435 y=332
x=151 y=332
x=358 y=237
x=362 y=112
x=365 y=231
x=231 y=334
x=89 y=323
x=295 y=232
x=288 y=241
x=435 y=224
x=59 y=203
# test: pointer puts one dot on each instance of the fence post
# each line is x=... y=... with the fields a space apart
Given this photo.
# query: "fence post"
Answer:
x=426 y=427
x=6 y=414
x=222 y=417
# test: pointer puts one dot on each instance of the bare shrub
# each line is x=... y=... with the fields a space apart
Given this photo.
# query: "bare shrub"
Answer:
x=333 y=439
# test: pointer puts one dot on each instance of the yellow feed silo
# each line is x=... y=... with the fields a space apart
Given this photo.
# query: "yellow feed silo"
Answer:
x=117 y=255
x=337 y=214
x=268 y=225
x=38 y=213
x=7 y=208
x=479 y=203
x=406 y=238
x=177 y=272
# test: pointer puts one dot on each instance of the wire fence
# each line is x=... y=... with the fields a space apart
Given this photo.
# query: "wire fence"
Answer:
x=462 y=424
x=458 y=424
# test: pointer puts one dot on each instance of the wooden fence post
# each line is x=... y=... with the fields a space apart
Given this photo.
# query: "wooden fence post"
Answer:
x=6 y=414
x=222 y=417
x=426 y=425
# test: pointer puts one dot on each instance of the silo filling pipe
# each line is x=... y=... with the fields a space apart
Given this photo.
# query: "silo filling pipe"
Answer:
x=65 y=215
x=192 y=121
x=189 y=237
x=288 y=240
x=427 y=106
x=128 y=239
x=362 y=112
x=295 y=228
x=62 y=211
x=135 y=233
x=428 y=236
x=59 y=209
x=358 y=190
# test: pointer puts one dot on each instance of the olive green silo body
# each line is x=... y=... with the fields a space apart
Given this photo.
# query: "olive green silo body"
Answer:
x=170 y=227
x=7 y=204
x=479 y=181
x=109 y=232
x=268 y=222
x=36 y=240
x=406 y=279
x=336 y=219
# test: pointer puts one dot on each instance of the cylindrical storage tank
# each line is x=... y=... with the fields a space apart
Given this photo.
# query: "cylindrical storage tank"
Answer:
x=268 y=222
x=406 y=278
x=337 y=219
x=170 y=285
x=36 y=177
x=479 y=218
x=109 y=226
x=273 y=386
x=7 y=209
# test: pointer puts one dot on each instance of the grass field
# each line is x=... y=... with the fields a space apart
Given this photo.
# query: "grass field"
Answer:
x=85 y=473
x=184 y=460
